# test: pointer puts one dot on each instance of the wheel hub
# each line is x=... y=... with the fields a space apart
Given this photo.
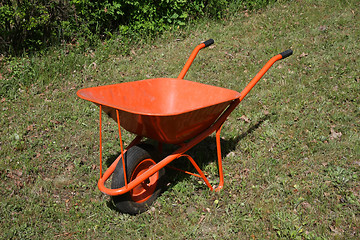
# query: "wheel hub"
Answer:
x=144 y=191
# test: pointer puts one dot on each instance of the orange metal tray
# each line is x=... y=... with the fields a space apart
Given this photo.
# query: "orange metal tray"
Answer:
x=170 y=110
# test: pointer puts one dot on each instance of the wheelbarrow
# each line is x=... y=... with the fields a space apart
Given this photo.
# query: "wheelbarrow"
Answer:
x=170 y=111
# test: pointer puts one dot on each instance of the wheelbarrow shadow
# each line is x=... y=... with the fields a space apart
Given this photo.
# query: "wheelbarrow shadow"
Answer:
x=203 y=153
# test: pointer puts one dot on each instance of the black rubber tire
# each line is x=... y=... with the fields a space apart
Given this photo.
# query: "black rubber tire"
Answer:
x=135 y=155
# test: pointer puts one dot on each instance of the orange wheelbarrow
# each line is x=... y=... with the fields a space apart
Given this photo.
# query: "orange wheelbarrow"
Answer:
x=170 y=111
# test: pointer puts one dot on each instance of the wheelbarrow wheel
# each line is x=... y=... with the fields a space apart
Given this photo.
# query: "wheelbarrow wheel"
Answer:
x=137 y=160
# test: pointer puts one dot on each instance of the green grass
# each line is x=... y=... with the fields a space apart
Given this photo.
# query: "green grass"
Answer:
x=289 y=173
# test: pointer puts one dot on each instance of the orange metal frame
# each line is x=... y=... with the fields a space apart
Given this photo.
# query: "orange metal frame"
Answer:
x=180 y=152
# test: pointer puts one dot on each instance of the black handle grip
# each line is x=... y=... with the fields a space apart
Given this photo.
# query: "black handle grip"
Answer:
x=208 y=42
x=286 y=53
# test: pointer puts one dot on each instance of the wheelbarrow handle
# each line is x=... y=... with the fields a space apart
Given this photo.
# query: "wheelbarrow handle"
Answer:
x=193 y=55
x=261 y=73
x=208 y=42
x=286 y=53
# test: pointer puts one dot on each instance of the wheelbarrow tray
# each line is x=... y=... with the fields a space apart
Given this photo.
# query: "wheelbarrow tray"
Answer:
x=169 y=110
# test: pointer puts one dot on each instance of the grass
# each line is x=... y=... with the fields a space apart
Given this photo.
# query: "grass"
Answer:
x=291 y=149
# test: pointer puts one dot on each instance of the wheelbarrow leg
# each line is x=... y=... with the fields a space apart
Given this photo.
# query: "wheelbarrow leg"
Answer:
x=218 y=148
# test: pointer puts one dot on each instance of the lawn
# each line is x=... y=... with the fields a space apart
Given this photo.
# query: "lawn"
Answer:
x=291 y=150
